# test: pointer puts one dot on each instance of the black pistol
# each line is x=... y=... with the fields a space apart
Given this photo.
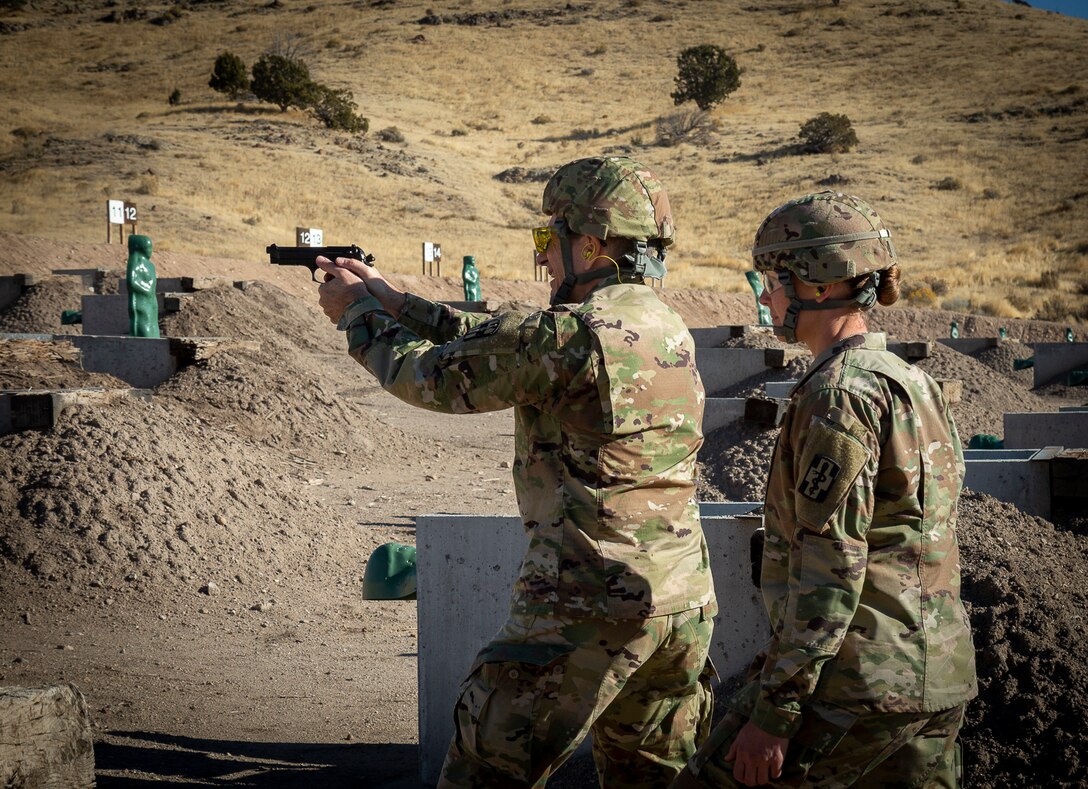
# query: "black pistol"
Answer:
x=305 y=256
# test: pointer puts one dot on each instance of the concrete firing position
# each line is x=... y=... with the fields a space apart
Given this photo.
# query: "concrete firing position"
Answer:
x=466 y=566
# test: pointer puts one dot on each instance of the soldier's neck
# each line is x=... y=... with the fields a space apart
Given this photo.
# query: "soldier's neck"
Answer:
x=834 y=328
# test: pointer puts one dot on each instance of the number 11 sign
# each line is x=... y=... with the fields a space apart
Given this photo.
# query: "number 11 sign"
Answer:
x=119 y=212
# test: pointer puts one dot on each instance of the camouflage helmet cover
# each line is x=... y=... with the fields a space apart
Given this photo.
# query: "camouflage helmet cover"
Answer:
x=824 y=238
x=610 y=196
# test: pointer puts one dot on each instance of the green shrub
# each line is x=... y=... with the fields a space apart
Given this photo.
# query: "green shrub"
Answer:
x=828 y=133
x=229 y=75
x=175 y=98
x=705 y=74
x=336 y=108
x=283 y=81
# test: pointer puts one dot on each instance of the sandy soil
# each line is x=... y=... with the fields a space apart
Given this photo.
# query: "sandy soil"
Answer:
x=193 y=564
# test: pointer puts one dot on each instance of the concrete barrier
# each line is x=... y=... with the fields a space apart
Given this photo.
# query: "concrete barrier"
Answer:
x=162 y=285
x=141 y=362
x=1053 y=428
x=466 y=566
x=1018 y=476
x=714 y=336
x=779 y=390
x=38 y=409
x=973 y=345
x=721 y=411
x=11 y=288
x=107 y=315
x=92 y=278
x=1054 y=359
x=721 y=368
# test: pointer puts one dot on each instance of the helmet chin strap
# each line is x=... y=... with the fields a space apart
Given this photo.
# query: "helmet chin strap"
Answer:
x=642 y=264
x=865 y=296
x=570 y=279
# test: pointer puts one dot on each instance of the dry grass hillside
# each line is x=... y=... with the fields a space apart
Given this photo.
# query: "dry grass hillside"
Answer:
x=987 y=99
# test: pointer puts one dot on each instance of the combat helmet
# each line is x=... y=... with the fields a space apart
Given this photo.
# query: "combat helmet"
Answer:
x=607 y=197
x=821 y=239
x=390 y=573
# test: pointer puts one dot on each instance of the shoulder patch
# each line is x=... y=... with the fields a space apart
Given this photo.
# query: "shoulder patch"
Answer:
x=831 y=459
x=818 y=479
x=485 y=329
x=501 y=334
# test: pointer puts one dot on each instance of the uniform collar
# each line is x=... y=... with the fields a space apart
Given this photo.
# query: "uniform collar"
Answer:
x=869 y=341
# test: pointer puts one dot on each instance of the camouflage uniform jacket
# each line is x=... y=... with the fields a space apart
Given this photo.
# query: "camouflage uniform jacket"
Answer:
x=861 y=575
x=608 y=410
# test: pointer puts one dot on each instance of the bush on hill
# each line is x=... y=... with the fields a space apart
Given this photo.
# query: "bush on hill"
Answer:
x=336 y=108
x=828 y=133
x=283 y=81
x=229 y=75
x=705 y=74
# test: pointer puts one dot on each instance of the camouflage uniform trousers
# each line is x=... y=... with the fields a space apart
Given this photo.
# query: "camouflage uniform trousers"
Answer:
x=835 y=748
x=642 y=686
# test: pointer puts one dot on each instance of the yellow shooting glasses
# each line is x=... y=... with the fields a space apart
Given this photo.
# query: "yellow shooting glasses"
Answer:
x=542 y=237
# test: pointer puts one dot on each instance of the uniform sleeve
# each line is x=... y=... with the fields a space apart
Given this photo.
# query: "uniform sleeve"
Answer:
x=510 y=359
x=434 y=322
x=835 y=438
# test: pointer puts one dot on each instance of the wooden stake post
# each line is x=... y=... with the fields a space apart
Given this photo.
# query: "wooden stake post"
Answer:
x=432 y=258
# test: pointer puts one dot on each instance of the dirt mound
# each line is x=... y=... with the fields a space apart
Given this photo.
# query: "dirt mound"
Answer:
x=213 y=474
x=1024 y=582
x=38 y=309
x=148 y=492
x=734 y=462
x=1000 y=359
x=907 y=323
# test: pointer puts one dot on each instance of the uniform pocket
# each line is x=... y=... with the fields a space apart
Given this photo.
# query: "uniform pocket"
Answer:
x=503 y=701
x=822 y=729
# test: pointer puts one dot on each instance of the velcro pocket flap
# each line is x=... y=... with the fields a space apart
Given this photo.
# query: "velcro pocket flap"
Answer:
x=501 y=334
x=533 y=654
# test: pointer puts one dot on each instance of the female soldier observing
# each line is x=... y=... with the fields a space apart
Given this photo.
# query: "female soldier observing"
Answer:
x=870 y=664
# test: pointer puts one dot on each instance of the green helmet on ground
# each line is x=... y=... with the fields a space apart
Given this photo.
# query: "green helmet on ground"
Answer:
x=607 y=197
x=390 y=573
x=824 y=238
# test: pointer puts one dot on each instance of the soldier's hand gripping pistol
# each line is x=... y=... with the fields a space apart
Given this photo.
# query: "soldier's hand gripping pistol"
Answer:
x=305 y=256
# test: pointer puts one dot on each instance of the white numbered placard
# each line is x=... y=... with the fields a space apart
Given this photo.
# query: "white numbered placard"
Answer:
x=428 y=252
x=309 y=237
x=116 y=211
